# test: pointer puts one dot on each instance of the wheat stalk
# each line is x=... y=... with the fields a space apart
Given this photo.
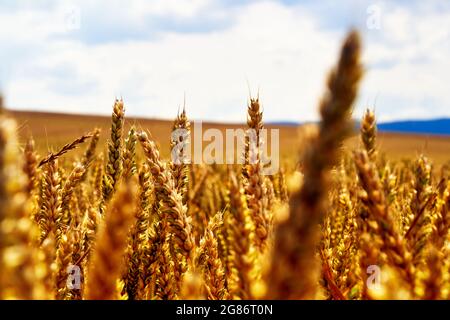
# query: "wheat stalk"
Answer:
x=293 y=272
x=66 y=148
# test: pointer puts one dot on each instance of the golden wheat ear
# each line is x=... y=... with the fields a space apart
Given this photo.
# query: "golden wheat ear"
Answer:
x=18 y=255
x=49 y=214
x=89 y=154
x=393 y=244
x=240 y=230
x=30 y=165
x=66 y=148
x=138 y=240
x=182 y=129
x=129 y=155
x=208 y=260
x=193 y=286
x=68 y=190
x=369 y=133
x=107 y=259
x=294 y=273
x=113 y=169
x=175 y=221
x=254 y=186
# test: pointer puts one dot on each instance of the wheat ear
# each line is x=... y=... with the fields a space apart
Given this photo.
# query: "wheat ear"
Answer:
x=110 y=246
x=66 y=148
x=113 y=168
x=294 y=272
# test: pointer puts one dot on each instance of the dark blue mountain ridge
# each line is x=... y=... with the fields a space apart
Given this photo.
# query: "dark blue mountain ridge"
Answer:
x=433 y=127
x=439 y=127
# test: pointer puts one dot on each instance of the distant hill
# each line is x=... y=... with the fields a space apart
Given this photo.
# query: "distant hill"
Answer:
x=284 y=123
x=440 y=127
x=433 y=127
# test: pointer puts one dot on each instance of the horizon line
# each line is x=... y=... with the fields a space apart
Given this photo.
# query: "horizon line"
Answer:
x=270 y=122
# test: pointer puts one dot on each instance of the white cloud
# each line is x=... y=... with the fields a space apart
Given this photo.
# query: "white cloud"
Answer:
x=178 y=8
x=408 y=63
x=281 y=49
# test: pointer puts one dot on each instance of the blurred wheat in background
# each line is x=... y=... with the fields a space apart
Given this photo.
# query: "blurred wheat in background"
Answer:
x=119 y=221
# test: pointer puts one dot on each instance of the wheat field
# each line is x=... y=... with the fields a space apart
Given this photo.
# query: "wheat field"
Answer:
x=117 y=218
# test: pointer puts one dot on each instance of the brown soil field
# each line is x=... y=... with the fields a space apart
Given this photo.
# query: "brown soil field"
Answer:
x=53 y=130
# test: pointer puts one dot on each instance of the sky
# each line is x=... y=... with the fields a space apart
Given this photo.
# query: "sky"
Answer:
x=77 y=56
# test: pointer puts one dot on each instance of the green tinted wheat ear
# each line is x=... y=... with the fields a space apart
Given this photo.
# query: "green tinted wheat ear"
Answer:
x=110 y=246
x=294 y=273
x=113 y=168
x=369 y=133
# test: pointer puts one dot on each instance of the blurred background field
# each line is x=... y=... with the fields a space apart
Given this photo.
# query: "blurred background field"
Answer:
x=52 y=130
